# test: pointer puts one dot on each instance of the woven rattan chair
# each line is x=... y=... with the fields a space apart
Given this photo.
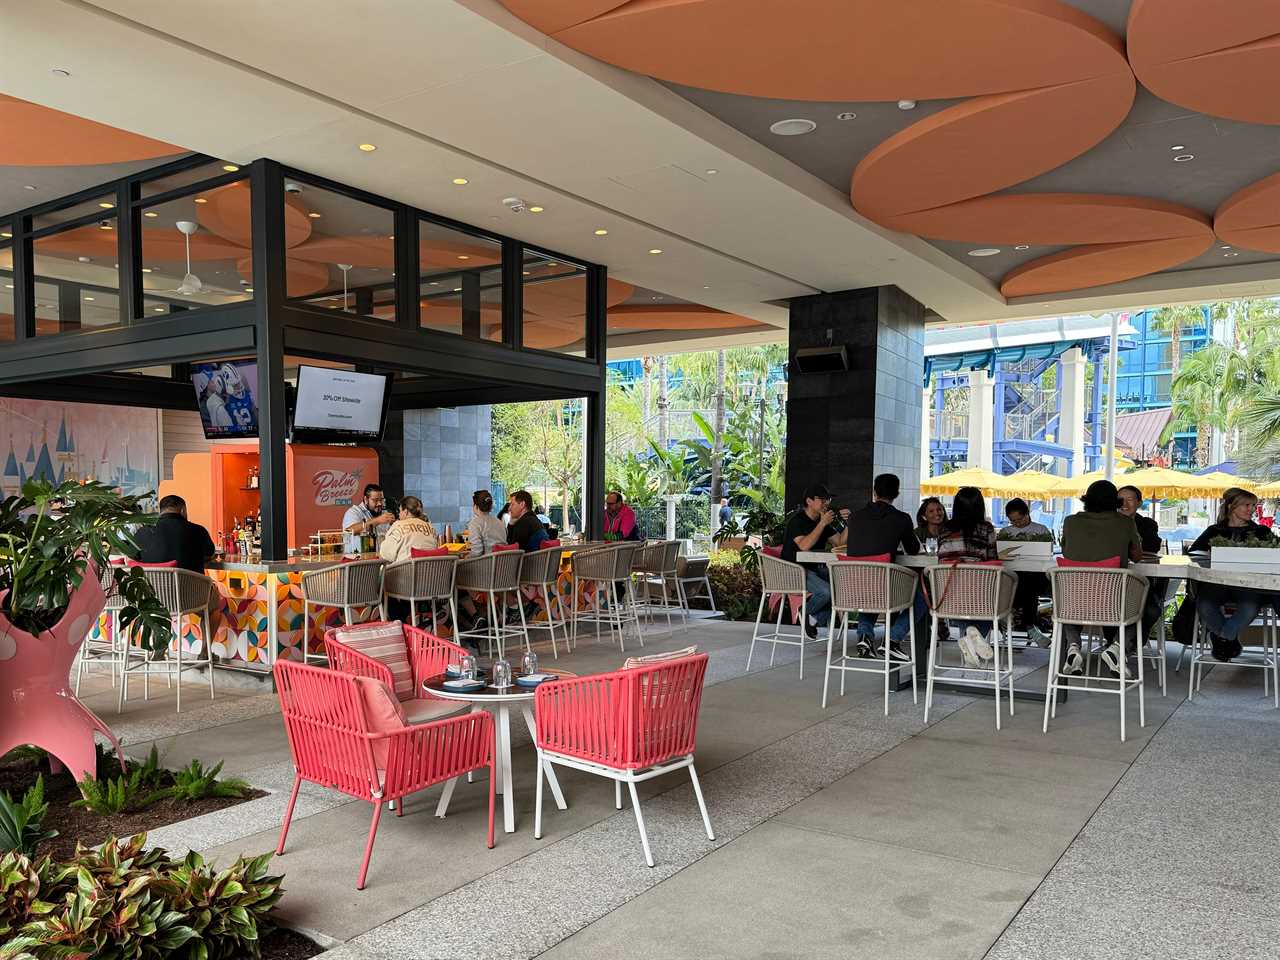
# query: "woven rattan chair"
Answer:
x=780 y=581
x=972 y=591
x=539 y=571
x=692 y=579
x=112 y=650
x=180 y=592
x=862 y=587
x=1096 y=597
x=496 y=574
x=658 y=578
x=599 y=572
x=350 y=586
x=424 y=580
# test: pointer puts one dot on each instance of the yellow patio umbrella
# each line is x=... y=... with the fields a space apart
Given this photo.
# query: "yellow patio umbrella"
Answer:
x=1075 y=486
x=1034 y=485
x=1226 y=481
x=1161 y=483
x=991 y=484
x=1271 y=489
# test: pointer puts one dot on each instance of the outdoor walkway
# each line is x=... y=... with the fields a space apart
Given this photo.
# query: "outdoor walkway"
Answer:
x=840 y=833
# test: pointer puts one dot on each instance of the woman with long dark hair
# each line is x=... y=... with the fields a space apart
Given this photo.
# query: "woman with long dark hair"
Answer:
x=930 y=519
x=969 y=535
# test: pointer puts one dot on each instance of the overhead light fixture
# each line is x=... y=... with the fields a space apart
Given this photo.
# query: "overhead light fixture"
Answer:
x=463 y=256
x=105 y=204
x=706 y=288
x=90 y=299
x=313 y=215
x=146 y=269
x=1184 y=157
x=6 y=234
x=847 y=115
x=552 y=263
x=85 y=259
x=1225 y=246
x=28 y=186
x=460 y=181
x=655 y=250
x=104 y=226
x=712 y=172
x=368 y=147
x=457 y=289
x=158 y=309
x=151 y=214
x=525 y=273
x=984 y=252
x=1178 y=146
x=906 y=104
x=201 y=200
x=60 y=72
x=1023 y=246
x=248 y=289
x=8 y=286
x=230 y=167
x=1233 y=253
x=536 y=209
x=795 y=127
x=602 y=232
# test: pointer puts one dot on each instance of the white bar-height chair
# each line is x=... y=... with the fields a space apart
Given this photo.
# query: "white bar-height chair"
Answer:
x=540 y=570
x=886 y=589
x=180 y=592
x=114 y=649
x=599 y=572
x=784 y=580
x=1096 y=597
x=495 y=574
x=972 y=591
x=424 y=580
x=1268 y=660
x=654 y=571
x=692 y=572
x=669 y=581
x=349 y=586
x=645 y=563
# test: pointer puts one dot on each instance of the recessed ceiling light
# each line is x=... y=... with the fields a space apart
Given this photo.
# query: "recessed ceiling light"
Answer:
x=85 y=259
x=201 y=200
x=1178 y=146
x=552 y=263
x=712 y=172
x=313 y=215
x=28 y=186
x=463 y=256
x=1184 y=157
x=89 y=298
x=1022 y=246
x=368 y=147
x=105 y=204
x=602 y=232
x=1233 y=253
x=525 y=272
x=104 y=226
x=655 y=298
x=906 y=104
x=146 y=269
x=434 y=283
x=536 y=209
x=6 y=234
x=655 y=250
x=847 y=115
x=230 y=167
x=984 y=252
x=159 y=309
x=248 y=289
x=8 y=286
x=793 y=128
x=706 y=288
x=1225 y=246
x=460 y=181
x=457 y=289
x=60 y=72
x=151 y=214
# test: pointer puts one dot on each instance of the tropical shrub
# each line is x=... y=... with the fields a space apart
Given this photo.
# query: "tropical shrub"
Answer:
x=124 y=901
x=736 y=588
x=194 y=782
x=135 y=790
x=21 y=821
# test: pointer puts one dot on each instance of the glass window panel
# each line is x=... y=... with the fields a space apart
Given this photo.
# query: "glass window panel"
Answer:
x=104 y=205
x=186 y=178
x=1160 y=386
x=460 y=282
x=340 y=252
x=216 y=223
x=77 y=279
x=555 y=304
x=8 y=326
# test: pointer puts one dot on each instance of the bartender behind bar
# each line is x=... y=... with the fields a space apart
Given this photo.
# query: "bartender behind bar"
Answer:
x=174 y=537
x=365 y=518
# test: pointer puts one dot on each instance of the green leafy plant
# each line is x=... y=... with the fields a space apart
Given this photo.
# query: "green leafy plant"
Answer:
x=125 y=901
x=735 y=586
x=194 y=782
x=1248 y=543
x=1008 y=535
x=43 y=561
x=135 y=790
x=21 y=822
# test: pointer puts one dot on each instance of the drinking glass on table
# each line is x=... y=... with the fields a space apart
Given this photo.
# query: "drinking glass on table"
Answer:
x=529 y=664
x=931 y=545
x=501 y=674
x=467 y=667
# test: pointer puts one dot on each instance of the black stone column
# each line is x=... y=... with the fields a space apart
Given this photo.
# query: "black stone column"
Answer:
x=843 y=428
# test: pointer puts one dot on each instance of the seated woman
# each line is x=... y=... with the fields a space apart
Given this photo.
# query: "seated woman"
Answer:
x=1031 y=586
x=930 y=519
x=968 y=535
x=1235 y=523
x=1098 y=533
x=483 y=531
x=413 y=531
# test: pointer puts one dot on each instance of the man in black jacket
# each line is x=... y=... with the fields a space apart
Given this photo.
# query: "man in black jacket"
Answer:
x=1149 y=534
x=174 y=537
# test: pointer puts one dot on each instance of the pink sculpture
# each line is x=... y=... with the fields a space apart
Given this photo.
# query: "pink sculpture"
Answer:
x=36 y=702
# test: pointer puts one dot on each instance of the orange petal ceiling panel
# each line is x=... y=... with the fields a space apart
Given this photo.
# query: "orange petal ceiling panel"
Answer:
x=370 y=251
x=159 y=244
x=38 y=136
x=227 y=215
x=1250 y=218
x=1219 y=58
x=839 y=49
x=675 y=316
x=987 y=144
x=1099 y=264
x=1053 y=218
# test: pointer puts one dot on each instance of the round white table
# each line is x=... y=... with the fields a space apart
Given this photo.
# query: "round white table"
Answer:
x=501 y=700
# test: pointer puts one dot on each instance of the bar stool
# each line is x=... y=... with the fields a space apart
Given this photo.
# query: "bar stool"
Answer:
x=181 y=593
x=346 y=585
x=424 y=579
x=114 y=650
x=692 y=571
x=784 y=580
x=859 y=586
x=495 y=574
x=972 y=591
x=600 y=571
x=1096 y=597
x=540 y=569
x=1269 y=663
x=656 y=568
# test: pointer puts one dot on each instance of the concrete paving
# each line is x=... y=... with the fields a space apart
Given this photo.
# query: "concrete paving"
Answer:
x=839 y=832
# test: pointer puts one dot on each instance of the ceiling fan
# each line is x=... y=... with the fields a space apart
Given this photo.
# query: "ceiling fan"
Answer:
x=191 y=284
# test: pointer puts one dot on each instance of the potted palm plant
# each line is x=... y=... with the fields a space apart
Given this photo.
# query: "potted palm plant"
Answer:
x=55 y=549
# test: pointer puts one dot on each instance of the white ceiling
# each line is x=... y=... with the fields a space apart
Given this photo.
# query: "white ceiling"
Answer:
x=449 y=88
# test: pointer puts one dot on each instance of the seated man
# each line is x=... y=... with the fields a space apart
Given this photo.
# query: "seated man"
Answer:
x=806 y=530
x=1149 y=533
x=526 y=529
x=174 y=537
x=1031 y=586
x=877 y=529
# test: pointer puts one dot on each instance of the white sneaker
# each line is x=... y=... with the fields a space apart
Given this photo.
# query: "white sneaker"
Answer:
x=1036 y=636
x=1114 y=659
x=968 y=646
x=1074 y=661
x=982 y=647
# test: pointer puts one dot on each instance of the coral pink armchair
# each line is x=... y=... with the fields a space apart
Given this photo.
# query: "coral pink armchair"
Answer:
x=630 y=726
x=400 y=656
x=333 y=744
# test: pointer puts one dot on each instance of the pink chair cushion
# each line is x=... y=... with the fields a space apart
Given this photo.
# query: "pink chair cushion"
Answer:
x=505 y=546
x=772 y=551
x=417 y=554
x=632 y=662
x=1110 y=563
x=382 y=714
x=153 y=566
x=385 y=643
x=549 y=543
x=424 y=711
x=878 y=558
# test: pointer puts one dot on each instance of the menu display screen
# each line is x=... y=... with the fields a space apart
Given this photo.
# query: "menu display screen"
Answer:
x=225 y=394
x=340 y=404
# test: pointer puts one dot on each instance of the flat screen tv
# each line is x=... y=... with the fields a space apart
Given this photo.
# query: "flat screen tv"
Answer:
x=226 y=396
x=340 y=406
